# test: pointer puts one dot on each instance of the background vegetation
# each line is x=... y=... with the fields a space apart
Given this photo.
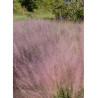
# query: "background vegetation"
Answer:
x=61 y=9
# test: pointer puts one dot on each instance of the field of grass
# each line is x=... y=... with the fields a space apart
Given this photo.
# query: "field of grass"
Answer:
x=48 y=59
x=34 y=15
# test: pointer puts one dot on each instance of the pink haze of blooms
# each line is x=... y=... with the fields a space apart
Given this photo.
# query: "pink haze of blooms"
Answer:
x=47 y=55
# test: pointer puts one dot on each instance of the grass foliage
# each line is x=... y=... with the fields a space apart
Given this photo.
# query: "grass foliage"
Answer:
x=35 y=15
x=48 y=59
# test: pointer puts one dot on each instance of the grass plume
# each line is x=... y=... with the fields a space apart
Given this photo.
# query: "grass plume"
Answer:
x=48 y=59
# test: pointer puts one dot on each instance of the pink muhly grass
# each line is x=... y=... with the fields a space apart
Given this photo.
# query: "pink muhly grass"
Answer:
x=47 y=55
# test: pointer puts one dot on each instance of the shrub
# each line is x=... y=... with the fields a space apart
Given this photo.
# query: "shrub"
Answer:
x=17 y=9
x=70 y=11
x=80 y=13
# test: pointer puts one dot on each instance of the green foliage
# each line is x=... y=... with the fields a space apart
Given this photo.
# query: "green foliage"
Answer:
x=80 y=13
x=63 y=93
x=68 y=93
x=44 y=5
x=48 y=5
x=29 y=4
x=73 y=10
x=17 y=9
x=70 y=11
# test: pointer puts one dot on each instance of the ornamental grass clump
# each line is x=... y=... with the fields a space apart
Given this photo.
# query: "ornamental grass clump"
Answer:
x=48 y=59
